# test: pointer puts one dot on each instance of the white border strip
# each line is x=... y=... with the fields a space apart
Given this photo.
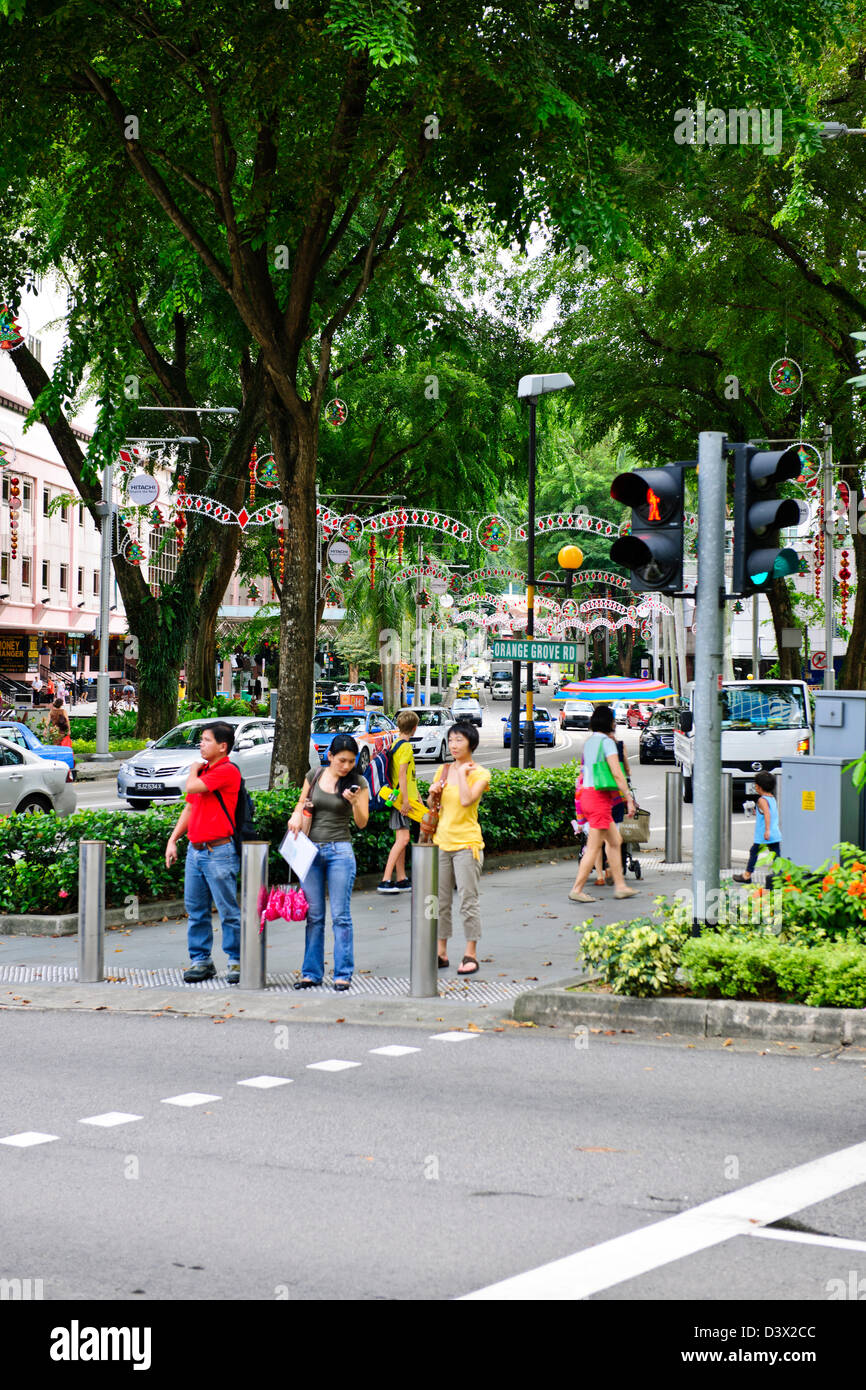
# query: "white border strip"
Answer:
x=737 y=1213
x=809 y=1238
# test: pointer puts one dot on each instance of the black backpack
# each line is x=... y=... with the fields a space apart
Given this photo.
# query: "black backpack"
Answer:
x=243 y=826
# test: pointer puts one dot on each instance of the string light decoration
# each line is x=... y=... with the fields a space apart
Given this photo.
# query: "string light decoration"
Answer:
x=351 y=527
x=400 y=538
x=179 y=518
x=133 y=552
x=372 y=553
x=336 y=412
x=281 y=549
x=14 y=508
x=419 y=516
x=254 y=458
x=844 y=587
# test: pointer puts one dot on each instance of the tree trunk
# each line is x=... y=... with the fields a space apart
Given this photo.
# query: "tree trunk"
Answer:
x=295 y=447
x=201 y=656
x=783 y=616
x=853 y=673
x=625 y=649
x=162 y=628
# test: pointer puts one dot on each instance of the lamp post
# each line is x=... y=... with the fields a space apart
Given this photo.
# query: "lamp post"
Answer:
x=530 y=388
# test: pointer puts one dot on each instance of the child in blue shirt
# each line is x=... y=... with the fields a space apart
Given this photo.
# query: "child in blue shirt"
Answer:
x=767 y=832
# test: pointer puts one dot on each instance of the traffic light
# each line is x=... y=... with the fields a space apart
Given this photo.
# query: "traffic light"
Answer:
x=759 y=515
x=653 y=550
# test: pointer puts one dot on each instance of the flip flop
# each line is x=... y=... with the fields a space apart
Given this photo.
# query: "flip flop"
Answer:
x=443 y=962
x=471 y=961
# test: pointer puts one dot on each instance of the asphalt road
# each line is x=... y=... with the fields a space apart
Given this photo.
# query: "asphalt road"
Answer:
x=432 y=1171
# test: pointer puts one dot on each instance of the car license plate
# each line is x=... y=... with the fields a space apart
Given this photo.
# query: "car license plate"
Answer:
x=148 y=787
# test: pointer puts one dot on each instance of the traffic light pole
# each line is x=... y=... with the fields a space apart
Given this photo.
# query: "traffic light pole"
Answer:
x=529 y=733
x=709 y=645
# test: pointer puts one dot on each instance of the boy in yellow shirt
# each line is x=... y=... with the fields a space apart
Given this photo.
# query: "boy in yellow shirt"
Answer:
x=406 y=804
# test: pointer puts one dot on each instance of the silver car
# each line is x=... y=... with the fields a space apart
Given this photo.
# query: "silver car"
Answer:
x=31 y=783
x=159 y=772
x=468 y=709
x=430 y=739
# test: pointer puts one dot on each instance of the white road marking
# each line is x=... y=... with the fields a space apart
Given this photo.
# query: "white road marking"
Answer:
x=111 y=1117
x=393 y=1051
x=452 y=1037
x=808 y=1238
x=736 y=1213
x=333 y=1065
x=265 y=1082
x=190 y=1098
x=29 y=1137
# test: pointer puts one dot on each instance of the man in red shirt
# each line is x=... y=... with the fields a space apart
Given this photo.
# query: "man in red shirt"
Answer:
x=211 y=859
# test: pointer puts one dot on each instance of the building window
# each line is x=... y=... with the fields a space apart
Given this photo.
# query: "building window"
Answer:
x=46 y=498
x=81 y=581
x=35 y=346
x=96 y=583
x=64 y=514
x=64 y=578
x=46 y=577
x=27 y=495
x=25 y=570
x=4 y=568
x=81 y=514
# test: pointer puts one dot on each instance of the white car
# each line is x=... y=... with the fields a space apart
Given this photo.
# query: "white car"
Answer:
x=159 y=772
x=353 y=688
x=501 y=690
x=575 y=714
x=31 y=783
x=468 y=710
x=430 y=739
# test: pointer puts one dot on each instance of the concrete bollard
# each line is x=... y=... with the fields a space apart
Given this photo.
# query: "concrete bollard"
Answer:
x=674 y=817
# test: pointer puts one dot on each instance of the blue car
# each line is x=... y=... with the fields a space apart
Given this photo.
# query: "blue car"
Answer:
x=25 y=738
x=545 y=728
x=372 y=730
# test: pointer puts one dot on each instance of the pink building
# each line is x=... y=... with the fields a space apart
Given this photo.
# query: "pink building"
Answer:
x=49 y=591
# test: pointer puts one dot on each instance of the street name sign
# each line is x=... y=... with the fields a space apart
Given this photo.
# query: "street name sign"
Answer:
x=508 y=649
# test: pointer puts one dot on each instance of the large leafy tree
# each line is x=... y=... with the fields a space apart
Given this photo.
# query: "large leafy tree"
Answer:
x=292 y=149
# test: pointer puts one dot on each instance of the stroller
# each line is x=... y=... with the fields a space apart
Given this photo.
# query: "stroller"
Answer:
x=634 y=831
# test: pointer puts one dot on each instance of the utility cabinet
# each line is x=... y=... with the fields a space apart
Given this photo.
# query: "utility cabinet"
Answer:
x=840 y=723
x=820 y=808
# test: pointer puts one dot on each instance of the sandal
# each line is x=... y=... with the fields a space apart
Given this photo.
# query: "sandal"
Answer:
x=470 y=960
x=443 y=962
x=601 y=882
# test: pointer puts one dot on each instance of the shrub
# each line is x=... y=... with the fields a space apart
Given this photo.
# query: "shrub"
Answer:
x=39 y=854
x=831 y=975
x=824 y=905
x=640 y=957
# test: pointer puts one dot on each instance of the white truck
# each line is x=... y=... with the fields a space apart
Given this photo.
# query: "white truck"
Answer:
x=762 y=722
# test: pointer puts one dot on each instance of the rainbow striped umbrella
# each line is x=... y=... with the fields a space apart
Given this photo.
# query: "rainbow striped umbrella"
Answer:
x=608 y=689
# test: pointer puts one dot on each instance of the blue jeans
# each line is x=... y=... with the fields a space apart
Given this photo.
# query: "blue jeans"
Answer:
x=212 y=874
x=333 y=869
x=755 y=850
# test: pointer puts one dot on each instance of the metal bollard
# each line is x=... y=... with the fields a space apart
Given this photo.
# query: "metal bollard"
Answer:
x=725 y=827
x=423 y=963
x=254 y=896
x=674 y=817
x=91 y=911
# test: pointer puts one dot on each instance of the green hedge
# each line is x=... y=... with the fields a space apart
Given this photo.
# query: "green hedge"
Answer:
x=39 y=853
x=833 y=975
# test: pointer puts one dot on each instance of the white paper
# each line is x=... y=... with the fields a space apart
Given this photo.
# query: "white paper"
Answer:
x=299 y=852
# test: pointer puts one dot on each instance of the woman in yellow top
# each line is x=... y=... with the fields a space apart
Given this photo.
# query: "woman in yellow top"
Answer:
x=461 y=846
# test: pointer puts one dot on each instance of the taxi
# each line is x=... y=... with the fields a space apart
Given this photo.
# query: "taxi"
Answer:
x=372 y=730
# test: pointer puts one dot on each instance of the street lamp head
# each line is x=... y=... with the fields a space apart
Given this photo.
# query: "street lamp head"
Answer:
x=531 y=387
x=570 y=557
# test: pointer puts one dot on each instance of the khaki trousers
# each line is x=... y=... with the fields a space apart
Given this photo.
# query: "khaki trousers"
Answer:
x=459 y=867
